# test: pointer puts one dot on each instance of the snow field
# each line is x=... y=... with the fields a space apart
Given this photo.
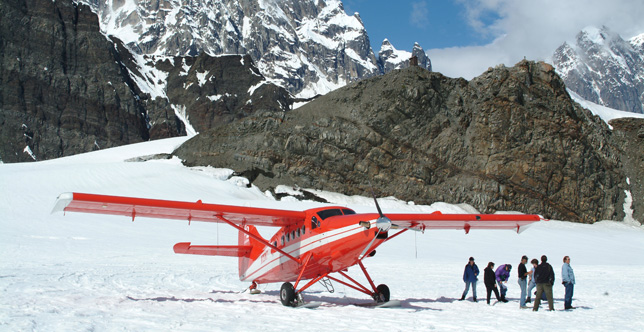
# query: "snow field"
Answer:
x=80 y=272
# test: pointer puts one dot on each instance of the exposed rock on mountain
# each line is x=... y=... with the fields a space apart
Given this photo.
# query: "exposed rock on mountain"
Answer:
x=206 y=91
x=603 y=68
x=511 y=139
x=63 y=89
x=66 y=89
x=309 y=47
x=628 y=134
x=389 y=58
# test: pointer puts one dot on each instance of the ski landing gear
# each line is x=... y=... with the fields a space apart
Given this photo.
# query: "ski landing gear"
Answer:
x=290 y=296
x=253 y=289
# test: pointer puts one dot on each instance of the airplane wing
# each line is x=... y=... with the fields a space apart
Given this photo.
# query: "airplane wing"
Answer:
x=438 y=220
x=164 y=209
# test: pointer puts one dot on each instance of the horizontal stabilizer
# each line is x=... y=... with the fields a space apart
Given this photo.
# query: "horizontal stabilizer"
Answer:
x=231 y=251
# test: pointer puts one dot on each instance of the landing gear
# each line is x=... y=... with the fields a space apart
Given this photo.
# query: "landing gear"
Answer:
x=253 y=289
x=287 y=295
x=382 y=293
x=292 y=298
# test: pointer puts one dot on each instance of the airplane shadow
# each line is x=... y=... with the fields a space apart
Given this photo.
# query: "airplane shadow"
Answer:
x=410 y=303
x=190 y=300
x=318 y=296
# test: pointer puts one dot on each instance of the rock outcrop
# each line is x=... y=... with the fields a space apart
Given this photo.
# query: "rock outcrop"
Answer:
x=628 y=134
x=64 y=89
x=510 y=139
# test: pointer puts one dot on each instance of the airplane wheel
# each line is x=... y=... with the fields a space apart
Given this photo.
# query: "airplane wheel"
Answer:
x=287 y=294
x=382 y=293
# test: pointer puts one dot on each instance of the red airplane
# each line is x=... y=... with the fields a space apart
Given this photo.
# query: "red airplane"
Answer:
x=309 y=245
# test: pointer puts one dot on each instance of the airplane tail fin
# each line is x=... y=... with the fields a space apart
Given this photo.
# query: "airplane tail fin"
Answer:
x=256 y=248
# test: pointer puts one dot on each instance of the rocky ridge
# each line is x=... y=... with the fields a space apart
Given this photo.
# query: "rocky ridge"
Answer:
x=309 y=47
x=511 y=140
x=81 y=91
x=63 y=88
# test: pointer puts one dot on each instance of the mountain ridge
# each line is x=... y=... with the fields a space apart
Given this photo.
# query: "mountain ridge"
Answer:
x=511 y=139
x=602 y=67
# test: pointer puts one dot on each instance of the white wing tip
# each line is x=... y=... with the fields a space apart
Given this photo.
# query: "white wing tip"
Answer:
x=62 y=201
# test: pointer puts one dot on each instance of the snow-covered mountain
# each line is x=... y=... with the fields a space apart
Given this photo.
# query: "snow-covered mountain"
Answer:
x=389 y=58
x=309 y=47
x=602 y=67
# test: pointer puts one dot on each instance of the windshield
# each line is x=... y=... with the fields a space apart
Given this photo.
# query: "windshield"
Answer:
x=334 y=212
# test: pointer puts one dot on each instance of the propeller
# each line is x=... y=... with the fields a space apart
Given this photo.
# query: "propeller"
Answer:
x=383 y=224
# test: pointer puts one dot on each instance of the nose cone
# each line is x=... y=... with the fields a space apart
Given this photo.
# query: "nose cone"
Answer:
x=383 y=223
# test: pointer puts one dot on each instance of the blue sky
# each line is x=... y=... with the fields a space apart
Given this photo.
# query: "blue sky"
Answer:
x=465 y=37
x=431 y=23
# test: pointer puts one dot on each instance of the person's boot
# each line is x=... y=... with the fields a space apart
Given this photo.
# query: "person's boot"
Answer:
x=527 y=300
x=475 y=299
x=462 y=298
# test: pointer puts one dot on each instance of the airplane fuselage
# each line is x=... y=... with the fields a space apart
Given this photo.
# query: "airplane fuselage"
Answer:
x=332 y=236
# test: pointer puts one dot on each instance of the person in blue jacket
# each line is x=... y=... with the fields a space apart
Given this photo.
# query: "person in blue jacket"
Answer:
x=470 y=277
x=568 y=278
x=502 y=275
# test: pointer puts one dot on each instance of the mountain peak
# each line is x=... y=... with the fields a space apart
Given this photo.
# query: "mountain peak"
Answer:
x=604 y=68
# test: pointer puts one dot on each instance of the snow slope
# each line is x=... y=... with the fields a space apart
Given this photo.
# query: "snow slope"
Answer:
x=83 y=272
x=605 y=113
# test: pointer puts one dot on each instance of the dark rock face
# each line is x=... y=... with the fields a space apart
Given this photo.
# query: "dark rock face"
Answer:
x=63 y=87
x=216 y=90
x=511 y=139
x=628 y=134
x=66 y=89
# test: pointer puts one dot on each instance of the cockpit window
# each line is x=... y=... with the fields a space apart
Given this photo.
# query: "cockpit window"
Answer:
x=347 y=211
x=329 y=213
x=315 y=223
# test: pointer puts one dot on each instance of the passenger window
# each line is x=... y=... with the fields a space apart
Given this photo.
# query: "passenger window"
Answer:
x=303 y=230
x=287 y=237
x=293 y=235
x=298 y=232
x=282 y=240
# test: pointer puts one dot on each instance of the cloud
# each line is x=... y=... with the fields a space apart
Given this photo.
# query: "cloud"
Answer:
x=531 y=29
x=419 y=14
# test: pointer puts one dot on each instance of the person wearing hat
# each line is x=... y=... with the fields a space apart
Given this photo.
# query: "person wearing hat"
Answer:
x=523 y=281
x=502 y=275
x=470 y=277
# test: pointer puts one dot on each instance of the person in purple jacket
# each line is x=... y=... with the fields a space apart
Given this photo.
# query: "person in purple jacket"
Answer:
x=502 y=275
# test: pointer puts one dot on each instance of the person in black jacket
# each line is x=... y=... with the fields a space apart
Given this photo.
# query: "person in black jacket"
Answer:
x=489 y=278
x=523 y=280
x=545 y=278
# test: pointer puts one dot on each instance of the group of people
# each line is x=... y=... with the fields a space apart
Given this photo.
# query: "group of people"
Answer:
x=541 y=277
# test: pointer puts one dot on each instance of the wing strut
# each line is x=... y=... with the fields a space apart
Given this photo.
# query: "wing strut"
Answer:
x=261 y=240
